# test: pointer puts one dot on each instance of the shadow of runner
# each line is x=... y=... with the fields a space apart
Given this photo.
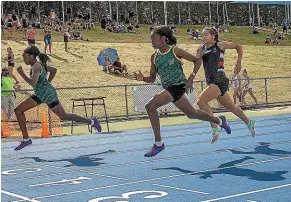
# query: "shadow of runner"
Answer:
x=230 y=168
x=83 y=160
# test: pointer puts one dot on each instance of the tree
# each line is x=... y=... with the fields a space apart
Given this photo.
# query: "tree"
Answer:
x=179 y=13
x=110 y=10
x=165 y=13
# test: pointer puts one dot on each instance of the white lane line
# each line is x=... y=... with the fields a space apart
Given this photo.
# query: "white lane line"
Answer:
x=160 y=178
x=178 y=188
x=19 y=196
x=247 y=193
x=108 y=176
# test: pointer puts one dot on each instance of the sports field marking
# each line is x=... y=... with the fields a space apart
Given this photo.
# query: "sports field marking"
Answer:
x=160 y=178
x=180 y=135
x=247 y=193
x=22 y=162
x=63 y=182
x=16 y=171
x=19 y=196
x=163 y=130
x=109 y=176
x=178 y=188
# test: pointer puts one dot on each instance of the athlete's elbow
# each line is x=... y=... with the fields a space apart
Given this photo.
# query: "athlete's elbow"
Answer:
x=239 y=48
x=151 y=80
x=33 y=84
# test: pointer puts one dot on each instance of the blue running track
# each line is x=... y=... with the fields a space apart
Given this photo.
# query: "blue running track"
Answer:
x=112 y=167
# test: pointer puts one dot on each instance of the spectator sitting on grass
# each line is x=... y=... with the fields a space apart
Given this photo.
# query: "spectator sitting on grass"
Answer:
x=107 y=64
x=77 y=36
x=255 y=30
x=109 y=28
x=195 y=35
x=281 y=36
x=278 y=35
x=268 y=40
x=224 y=28
x=130 y=29
x=117 y=67
x=122 y=28
x=188 y=31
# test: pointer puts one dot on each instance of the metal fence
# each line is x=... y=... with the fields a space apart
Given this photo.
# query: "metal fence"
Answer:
x=120 y=104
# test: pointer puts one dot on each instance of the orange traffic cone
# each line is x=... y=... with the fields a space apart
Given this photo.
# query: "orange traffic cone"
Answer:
x=44 y=127
x=2 y=133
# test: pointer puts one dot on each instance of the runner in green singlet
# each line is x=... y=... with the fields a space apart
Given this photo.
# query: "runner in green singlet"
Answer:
x=166 y=61
x=44 y=92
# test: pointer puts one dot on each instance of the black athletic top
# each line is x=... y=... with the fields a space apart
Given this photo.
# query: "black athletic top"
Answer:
x=213 y=59
x=24 y=22
x=14 y=17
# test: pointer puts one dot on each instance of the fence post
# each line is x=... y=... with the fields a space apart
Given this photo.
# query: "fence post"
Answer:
x=266 y=91
x=126 y=100
x=50 y=122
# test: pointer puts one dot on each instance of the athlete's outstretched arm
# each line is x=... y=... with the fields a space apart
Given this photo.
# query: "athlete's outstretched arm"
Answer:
x=239 y=49
x=35 y=74
x=153 y=72
x=52 y=71
x=199 y=56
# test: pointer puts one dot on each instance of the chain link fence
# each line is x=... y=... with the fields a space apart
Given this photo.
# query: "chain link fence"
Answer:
x=121 y=103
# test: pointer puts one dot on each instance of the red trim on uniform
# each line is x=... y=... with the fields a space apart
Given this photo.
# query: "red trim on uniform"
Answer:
x=220 y=63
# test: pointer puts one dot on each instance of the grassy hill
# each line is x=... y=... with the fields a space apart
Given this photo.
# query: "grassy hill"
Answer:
x=135 y=50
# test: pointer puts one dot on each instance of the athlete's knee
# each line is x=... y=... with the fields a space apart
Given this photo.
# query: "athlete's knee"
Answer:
x=232 y=108
x=62 y=115
x=150 y=106
x=18 y=111
x=192 y=115
x=201 y=102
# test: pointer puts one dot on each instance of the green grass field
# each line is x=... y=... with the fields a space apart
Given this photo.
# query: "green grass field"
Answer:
x=238 y=34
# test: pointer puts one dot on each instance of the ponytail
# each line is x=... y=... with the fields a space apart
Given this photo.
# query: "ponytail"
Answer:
x=166 y=32
x=172 y=40
x=44 y=58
